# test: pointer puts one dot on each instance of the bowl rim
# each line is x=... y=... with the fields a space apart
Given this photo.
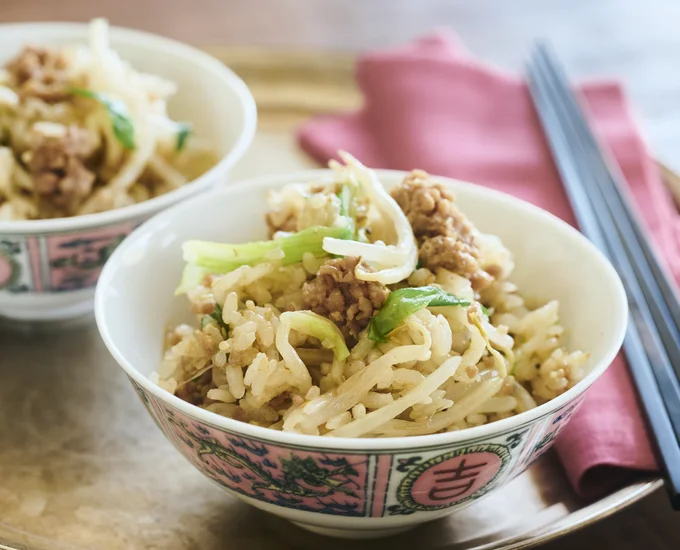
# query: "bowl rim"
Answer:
x=486 y=431
x=197 y=57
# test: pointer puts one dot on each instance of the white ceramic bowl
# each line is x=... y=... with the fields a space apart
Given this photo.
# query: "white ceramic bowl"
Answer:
x=355 y=487
x=48 y=268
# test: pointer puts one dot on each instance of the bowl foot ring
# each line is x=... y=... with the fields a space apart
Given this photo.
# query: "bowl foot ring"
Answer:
x=354 y=533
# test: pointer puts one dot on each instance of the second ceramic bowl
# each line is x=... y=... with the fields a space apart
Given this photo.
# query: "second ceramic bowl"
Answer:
x=48 y=268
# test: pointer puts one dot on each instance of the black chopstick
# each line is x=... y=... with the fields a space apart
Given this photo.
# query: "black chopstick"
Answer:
x=610 y=194
x=632 y=266
x=648 y=353
x=607 y=240
x=610 y=170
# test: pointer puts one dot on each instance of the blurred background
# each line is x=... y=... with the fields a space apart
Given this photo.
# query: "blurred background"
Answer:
x=632 y=41
x=637 y=42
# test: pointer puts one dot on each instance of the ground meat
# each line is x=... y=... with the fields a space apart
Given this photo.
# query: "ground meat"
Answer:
x=281 y=401
x=337 y=294
x=57 y=166
x=40 y=72
x=445 y=235
x=456 y=256
x=429 y=207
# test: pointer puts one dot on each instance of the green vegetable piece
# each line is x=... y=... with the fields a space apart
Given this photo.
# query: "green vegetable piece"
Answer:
x=485 y=310
x=123 y=128
x=312 y=324
x=192 y=276
x=209 y=258
x=403 y=303
x=184 y=130
x=346 y=196
x=227 y=257
x=215 y=317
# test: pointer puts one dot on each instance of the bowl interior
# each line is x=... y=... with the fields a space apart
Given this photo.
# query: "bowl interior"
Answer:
x=204 y=97
x=553 y=261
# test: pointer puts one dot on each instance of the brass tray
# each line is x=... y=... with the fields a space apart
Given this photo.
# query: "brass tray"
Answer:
x=82 y=465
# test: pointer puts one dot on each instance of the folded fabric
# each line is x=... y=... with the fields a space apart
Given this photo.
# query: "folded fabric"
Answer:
x=430 y=105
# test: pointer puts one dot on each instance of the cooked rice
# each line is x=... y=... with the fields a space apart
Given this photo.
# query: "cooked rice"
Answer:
x=82 y=132
x=443 y=369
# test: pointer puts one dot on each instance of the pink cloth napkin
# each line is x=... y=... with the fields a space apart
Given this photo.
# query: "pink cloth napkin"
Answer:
x=430 y=105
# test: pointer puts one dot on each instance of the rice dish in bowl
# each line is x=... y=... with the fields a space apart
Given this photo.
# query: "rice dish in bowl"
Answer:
x=360 y=397
x=81 y=131
x=427 y=336
x=99 y=130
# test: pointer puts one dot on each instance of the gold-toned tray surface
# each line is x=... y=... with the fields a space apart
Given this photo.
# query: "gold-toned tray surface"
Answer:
x=82 y=465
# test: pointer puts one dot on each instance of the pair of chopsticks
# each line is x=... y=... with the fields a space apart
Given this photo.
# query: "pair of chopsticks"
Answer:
x=605 y=215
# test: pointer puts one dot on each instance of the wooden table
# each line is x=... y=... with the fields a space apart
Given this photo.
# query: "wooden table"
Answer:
x=635 y=41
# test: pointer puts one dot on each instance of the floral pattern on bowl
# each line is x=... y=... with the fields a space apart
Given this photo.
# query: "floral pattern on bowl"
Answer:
x=53 y=275
x=357 y=484
x=58 y=262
